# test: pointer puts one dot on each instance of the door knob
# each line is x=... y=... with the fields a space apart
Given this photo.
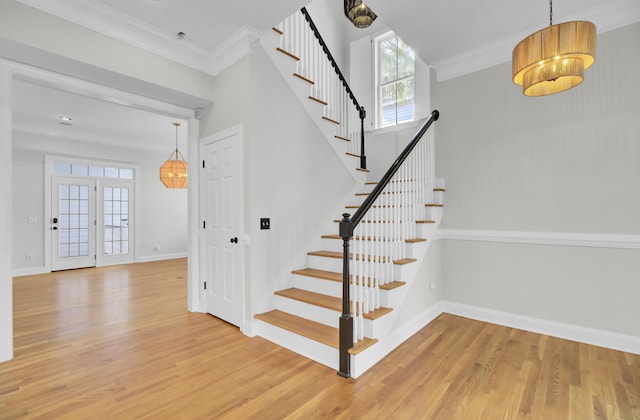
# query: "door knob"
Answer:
x=234 y=240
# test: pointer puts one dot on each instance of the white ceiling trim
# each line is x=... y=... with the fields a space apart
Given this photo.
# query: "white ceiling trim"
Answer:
x=608 y=16
x=113 y=23
x=59 y=81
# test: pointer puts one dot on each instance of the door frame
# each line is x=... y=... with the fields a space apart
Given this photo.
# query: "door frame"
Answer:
x=237 y=130
x=10 y=71
x=48 y=177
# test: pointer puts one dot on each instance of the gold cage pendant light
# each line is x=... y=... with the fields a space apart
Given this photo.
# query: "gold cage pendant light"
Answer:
x=554 y=59
x=173 y=173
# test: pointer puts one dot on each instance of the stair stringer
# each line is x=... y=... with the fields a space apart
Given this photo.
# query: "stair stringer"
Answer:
x=286 y=66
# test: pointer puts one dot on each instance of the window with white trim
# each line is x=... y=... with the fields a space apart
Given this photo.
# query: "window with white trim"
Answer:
x=395 y=73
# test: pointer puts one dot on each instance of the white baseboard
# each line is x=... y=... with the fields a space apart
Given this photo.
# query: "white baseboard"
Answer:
x=160 y=257
x=30 y=271
x=368 y=358
x=626 y=343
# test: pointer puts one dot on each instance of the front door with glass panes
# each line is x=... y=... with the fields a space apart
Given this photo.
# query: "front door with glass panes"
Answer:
x=73 y=223
x=115 y=235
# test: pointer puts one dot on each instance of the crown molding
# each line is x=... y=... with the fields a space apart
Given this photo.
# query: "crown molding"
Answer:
x=115 y=24
x=607 y=16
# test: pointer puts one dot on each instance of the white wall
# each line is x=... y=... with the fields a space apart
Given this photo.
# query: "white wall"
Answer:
x=292 y=175
x=565 y=163
x=328 y=16
x=34 y=28
x=163 y=212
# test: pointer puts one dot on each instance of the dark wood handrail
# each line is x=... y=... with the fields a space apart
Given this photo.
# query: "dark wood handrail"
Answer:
x=325 y=48
x=347 y=227
x=361 y=111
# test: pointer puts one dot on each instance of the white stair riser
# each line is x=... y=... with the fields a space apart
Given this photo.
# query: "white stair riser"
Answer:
x=438 y=197
x=434 y=213
x=427 y=230
x=305 y=310
x=335 y=264
x=311 y=349
x=325 y=263
x=312 y=284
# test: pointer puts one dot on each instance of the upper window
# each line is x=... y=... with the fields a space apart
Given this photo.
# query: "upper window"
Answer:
x=395 y=93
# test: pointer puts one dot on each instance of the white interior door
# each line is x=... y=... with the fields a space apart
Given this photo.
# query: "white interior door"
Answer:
x=73 y=223
x=222 y=210
x=115 y=222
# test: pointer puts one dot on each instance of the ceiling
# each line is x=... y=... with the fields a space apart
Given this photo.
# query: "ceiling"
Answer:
x=37 y=109
x=453 y=36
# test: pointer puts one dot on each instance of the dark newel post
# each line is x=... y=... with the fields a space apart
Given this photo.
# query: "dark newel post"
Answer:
x=363 y=157
x=346 y=321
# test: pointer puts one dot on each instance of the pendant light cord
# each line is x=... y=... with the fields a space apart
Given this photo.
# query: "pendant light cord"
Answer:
x=550 y=12
x=176 y=140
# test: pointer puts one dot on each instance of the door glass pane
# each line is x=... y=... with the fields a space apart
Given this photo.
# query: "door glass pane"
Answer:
x=96 y=171
x=79 y=169
x=126 y=174
x=116 y=220
x=73 y=221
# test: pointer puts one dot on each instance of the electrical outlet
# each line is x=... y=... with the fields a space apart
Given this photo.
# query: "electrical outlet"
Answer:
x=265 y=223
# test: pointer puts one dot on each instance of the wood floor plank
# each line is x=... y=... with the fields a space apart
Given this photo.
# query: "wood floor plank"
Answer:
x=117 y=342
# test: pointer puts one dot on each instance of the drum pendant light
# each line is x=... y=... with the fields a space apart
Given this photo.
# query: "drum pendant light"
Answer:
x=554 y=59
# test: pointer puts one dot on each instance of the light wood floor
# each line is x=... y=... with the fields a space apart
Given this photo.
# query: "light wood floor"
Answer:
x=118 y=343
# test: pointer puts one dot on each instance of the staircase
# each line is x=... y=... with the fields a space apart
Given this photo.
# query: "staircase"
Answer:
x=395 y=227
x=306 y=315
x=320 y=87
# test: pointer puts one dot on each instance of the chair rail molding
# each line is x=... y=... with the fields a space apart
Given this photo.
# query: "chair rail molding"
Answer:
x=597 y=240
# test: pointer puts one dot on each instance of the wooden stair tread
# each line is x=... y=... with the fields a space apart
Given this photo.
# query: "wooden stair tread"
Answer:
x=319 y=274
x=434 y=205
x=337 y=277
x=393 y=285
x=301 y=77
x=311 y=329
x=362 y=170
x=313 y=298
x=304 y=327
x=342 y=138
x=318 y=100
x=331 y=120
x=277 y=30
x=439 y=190
x=425 y=221
x=288 y=54
x=338 y=254
x=325 y=301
